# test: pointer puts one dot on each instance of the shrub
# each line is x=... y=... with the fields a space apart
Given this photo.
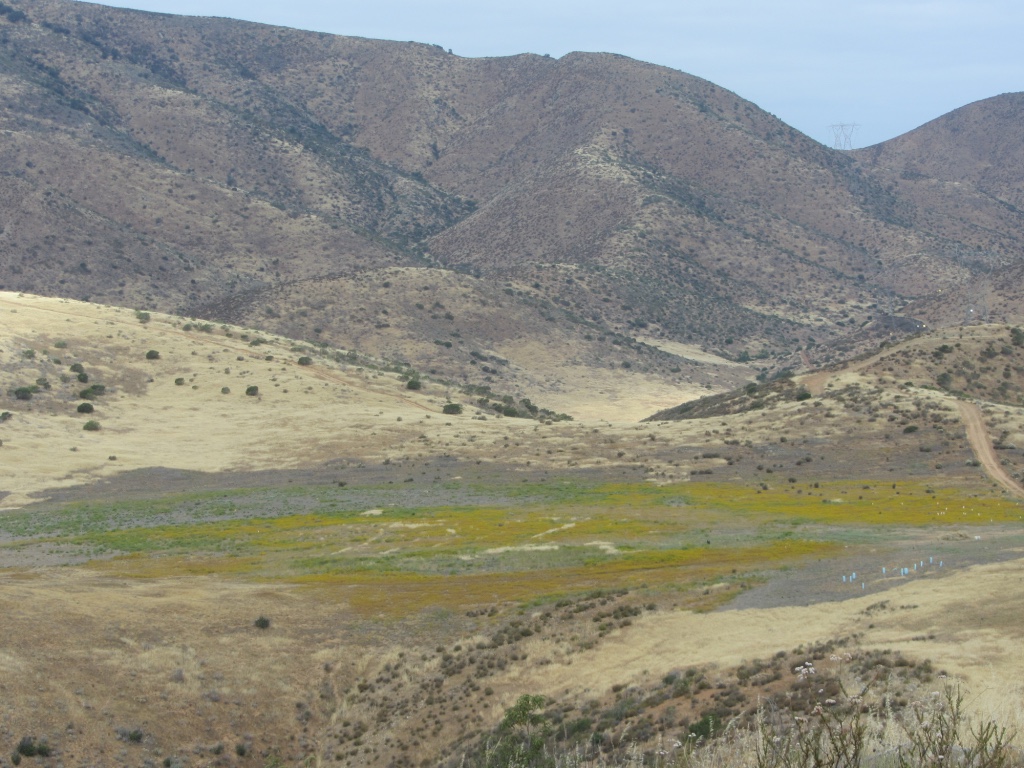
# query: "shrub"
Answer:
x=179 y=381
x=29 y=747
x=77 y=368
x=91 y=426
x=252 y=390
x=803 y=395
x=83 y=378
x=152 y=355
x=85 y=408
x=262 y=623
x=909 y=428
x=414 y=384
x=452 y=409
x=305 y=360
x=25 y=393
x=92 y=392
x=142 y=317
x=225 y=390
x=5 y=416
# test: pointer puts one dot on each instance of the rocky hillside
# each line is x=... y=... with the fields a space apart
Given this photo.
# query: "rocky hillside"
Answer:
x=239 y=172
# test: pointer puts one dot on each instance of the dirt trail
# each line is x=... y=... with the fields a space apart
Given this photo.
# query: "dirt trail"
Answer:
x=982 y=447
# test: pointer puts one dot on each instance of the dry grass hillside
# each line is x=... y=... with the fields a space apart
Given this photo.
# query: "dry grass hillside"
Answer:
x=189 y=165
x=334 y=570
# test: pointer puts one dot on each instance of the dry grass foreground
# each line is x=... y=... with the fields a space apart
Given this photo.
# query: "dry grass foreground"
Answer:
x=142 y=669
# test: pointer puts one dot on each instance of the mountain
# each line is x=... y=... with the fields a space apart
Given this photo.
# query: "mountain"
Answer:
x=267 y=176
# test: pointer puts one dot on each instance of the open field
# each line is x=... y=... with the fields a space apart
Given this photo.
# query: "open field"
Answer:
x=419 y=571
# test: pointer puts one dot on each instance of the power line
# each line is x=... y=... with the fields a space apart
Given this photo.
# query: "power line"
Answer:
x=843 y=135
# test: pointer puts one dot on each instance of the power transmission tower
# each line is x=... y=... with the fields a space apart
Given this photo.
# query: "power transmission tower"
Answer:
x=843 y=135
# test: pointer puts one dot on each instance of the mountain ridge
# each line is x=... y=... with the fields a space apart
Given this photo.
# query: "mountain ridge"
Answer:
x=184 y=164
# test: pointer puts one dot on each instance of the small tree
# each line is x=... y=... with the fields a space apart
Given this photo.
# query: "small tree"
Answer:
x=414 y=384
x=252 y=390
x=85 y=408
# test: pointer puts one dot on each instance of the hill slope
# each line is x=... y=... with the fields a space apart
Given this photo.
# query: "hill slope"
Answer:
x=195 y=164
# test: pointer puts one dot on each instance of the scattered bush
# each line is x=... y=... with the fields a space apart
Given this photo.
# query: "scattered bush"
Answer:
x=225 y=390
x=142 y=317
x=452 y=409
x=85 y=408
x=252 y=390
x=909 y=429
x=29 y=747
x=91 y=426
x=180 y=382
x=414 y=384
x=92 y=392
x=262 y=623
x=83 y=378
x=305 y=360
x=25 y=393
x=77 y=368
x=152 y=355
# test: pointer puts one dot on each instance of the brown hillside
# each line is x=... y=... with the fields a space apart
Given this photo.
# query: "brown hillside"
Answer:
x=194 y=164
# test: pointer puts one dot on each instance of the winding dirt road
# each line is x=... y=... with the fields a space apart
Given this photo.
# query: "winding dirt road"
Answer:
x=977 y=436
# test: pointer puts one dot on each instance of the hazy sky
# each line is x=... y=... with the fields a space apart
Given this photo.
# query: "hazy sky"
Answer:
x=886 y=65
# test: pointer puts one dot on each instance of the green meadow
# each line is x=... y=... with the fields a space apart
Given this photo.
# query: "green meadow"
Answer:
x=375 y=550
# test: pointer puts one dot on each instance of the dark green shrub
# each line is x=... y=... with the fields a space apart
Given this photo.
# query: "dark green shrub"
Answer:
x=83 y=378
x=305 y=361
x=152 y=355
x=252 y=390
x=77 y=368
x=262 y=623
x=803 y=395
x=25 y=393
x=240 y=749
x=91 y=426
x=29 y=747
x=225 y=390
x=92 y=392
x=85 y=408
x=909 y=428
x=452 y=409
x=142 y=317
x=414 y=384
x=179 y=382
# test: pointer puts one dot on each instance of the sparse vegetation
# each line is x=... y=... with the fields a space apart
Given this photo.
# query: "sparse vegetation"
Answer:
x=152 y=355
x=91 y=426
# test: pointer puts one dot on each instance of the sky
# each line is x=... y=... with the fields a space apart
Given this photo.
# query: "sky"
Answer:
x=884 y=66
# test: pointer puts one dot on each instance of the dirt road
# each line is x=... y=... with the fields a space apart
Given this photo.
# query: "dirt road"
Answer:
x=982 y=447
